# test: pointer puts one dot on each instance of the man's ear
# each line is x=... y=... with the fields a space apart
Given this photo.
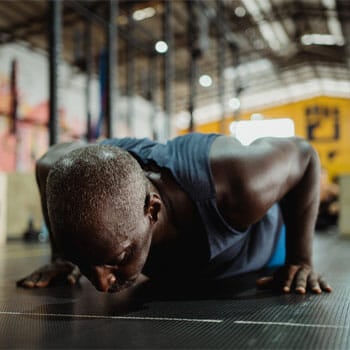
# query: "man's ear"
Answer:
x=152 y=206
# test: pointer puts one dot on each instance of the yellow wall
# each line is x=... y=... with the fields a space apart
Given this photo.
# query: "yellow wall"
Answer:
x=316 y=119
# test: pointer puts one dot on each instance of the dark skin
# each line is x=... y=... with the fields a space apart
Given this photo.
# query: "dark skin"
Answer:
x=248 y=181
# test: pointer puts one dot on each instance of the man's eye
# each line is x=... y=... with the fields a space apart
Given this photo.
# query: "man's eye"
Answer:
x=120 y=259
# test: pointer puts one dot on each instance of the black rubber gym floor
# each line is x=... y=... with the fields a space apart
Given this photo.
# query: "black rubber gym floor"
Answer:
x=228 y=315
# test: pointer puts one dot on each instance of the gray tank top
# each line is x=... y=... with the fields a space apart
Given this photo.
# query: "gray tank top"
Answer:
x=230 y=251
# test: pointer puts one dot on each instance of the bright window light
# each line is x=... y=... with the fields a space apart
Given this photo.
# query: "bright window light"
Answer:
x=269 y=35
x=247 y=131
x=140 y=15
x=253 y=9
x=335 y=29
x=280 y=32
x=205 y=80
x=161 y=46
x=330 y=4
x=256 y=116
x=265 y=5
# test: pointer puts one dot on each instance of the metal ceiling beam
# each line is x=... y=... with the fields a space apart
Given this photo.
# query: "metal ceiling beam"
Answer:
x=21 y=7
x=40 y=27
x=88 y=14
x=343 y=7
x=85 y=12
x=9 y=13
x=220 y=23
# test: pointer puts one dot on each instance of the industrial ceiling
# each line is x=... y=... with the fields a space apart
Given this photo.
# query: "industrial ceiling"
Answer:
x=242 y=47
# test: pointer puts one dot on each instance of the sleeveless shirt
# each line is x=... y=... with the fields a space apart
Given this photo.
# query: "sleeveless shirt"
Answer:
x=230 y=251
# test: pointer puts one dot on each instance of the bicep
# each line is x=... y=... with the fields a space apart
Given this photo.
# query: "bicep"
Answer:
x=259 y=175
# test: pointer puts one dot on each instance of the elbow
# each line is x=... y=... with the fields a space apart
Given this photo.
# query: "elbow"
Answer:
x=306 y=150
x=308 y=158
x=311 y=157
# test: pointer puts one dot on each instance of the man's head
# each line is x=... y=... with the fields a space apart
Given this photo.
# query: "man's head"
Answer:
x=99 y=210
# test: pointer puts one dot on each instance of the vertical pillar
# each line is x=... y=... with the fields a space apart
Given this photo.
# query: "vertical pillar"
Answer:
x=89 y=65
x=346 y=30
x=151 y=87
x=194 y=53
x=111 y=93
x=130 y=73
x=193 y=92
x=221 y=51
x=55 y=24
x=237 y=83
x=14 y=97
x=221 y=83
x=14 y=112
x=168 y=65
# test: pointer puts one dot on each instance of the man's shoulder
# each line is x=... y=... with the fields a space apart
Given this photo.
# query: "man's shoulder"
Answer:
x=226 y=148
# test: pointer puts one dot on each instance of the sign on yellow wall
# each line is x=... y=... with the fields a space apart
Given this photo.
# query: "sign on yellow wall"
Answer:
x=324 y=121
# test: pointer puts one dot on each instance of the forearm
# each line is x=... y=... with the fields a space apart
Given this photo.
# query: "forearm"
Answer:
x=299 y=208
x=41 y=175
x=56 y=253
x=286 y=171
x=42 y=169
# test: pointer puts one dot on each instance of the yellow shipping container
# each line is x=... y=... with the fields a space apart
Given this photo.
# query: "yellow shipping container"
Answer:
x=324 y=121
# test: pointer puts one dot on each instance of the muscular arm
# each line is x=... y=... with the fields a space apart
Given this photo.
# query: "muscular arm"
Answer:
x=58 y=268
x=268 y=171
x=41 y=172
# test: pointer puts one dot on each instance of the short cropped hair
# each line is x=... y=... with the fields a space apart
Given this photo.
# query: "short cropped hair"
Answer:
x=89 y=179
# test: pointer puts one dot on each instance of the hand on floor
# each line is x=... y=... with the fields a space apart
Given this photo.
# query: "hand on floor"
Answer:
x=59 y=270
x=299 y=278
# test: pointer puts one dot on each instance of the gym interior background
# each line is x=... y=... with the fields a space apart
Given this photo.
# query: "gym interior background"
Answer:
x=88 y=70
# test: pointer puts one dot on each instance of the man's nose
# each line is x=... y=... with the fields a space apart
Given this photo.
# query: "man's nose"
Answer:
x=104 y=278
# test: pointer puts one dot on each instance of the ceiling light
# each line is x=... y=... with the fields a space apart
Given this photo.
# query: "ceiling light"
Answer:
x=205 y=80
x=140 y=15
x=161 y=46
x=240 y=11
x=321 y=39
x=234 y=103
x=306 y=39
